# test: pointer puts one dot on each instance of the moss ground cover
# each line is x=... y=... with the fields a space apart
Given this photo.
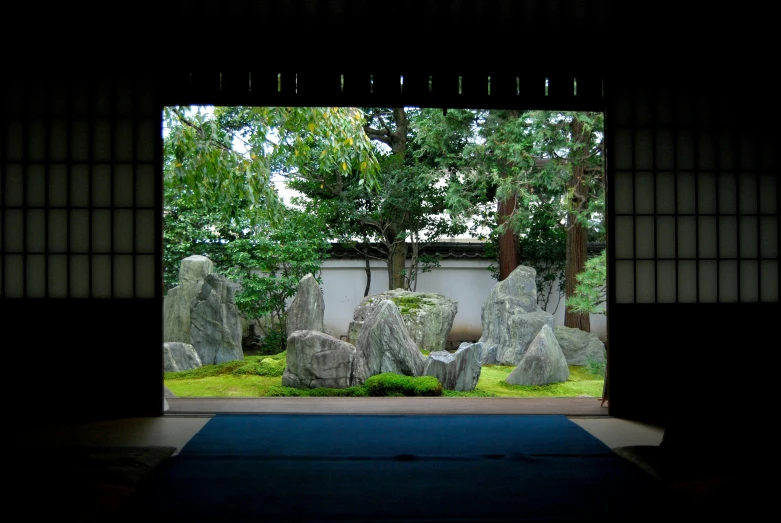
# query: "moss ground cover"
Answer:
x=261 y=376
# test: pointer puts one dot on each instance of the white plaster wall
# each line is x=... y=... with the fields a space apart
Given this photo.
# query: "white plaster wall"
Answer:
x=467 y=282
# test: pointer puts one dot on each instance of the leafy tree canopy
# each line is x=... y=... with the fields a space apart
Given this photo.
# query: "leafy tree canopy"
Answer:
x=548 y=164
x=227 y=155
x=590 y=292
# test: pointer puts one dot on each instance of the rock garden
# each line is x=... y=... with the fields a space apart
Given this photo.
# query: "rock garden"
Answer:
x=396 y=345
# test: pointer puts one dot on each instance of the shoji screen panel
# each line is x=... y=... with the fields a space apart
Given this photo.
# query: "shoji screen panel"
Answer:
x=81 y=242
x=78 y=202
x=693 y=239
x=694 y=199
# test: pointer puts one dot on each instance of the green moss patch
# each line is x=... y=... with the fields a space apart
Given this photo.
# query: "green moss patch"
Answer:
x=224 y=386
x=264 y=367
x=281 y=390
x=390 y=384
x=407 y=304
x=581 y=382
x=249 y=365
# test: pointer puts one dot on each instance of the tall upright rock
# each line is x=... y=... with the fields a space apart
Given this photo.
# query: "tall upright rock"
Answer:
x=201 y=311
x=177 y=303
x=511 y=318
x=387 y=346
x=216 y=327
x=307 y=309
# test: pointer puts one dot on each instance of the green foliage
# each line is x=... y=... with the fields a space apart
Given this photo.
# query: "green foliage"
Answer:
x=543 y=246
x=268 y=261
x=590 y=295
x=219 y=203
x=476 y=393
x=270 y=266
x=407 y=206
x=549 y=163
x=202 y=163
x=223 y=386
x=273 y=340
x=264 y=367
x=232 y=367
x=596 y=368
x=391 y=384
x=406 y=304
x=282 y=391
x=271 y=367
x=249 y=368
x=197 y=228
x=580 y=383
x=492 y=384
x=207 y=370
x=222 y=381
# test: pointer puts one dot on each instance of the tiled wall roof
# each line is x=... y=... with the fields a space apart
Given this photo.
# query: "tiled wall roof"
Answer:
x=445 y=250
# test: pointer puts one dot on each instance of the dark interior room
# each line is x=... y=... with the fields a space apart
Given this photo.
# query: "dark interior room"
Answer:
x=686 y=95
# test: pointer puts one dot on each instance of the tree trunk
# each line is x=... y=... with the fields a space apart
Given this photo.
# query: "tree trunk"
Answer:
x=399 y=137
x=577 y=243
x=509 y=246
x=577 y=234
x=397 y=251
x=368 y=270
x=397 y=259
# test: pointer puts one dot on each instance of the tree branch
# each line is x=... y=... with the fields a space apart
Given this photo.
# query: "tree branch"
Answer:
x=199 y=130
x=376 y=134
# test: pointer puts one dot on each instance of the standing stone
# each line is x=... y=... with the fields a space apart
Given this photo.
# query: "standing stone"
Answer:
x=387 y=346
x=579 y=346
x=177 y=303
x=511 y=318
x=307 y=309
x=216 y=324
x=459 y=371
x=180 y=356
x=315 y=359
x=428 y=316
x=543 y=362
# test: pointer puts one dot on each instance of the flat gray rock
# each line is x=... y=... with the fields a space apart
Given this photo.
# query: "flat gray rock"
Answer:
x=579 y=347
x=315 y=359
x=459 y=371
x=179 y=356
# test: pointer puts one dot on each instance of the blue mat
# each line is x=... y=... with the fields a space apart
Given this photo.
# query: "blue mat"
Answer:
x=398 y=468
x=346 y=436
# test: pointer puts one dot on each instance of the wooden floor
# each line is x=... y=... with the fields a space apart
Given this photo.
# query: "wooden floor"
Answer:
x=580 y=407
